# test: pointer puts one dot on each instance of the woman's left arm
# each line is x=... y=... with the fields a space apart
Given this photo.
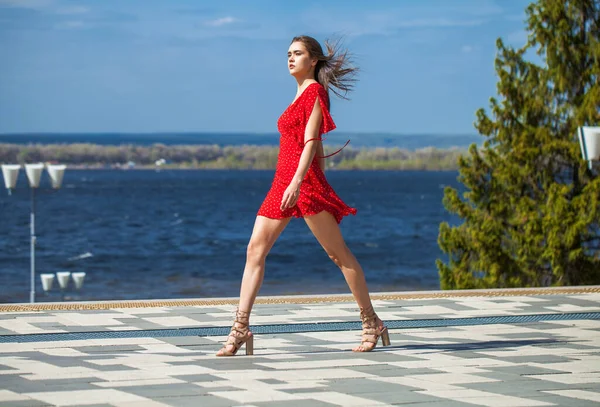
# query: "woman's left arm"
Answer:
x=292 y=192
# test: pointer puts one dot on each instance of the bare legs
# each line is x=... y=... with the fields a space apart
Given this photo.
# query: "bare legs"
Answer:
x=327 y=231
x=265 y=233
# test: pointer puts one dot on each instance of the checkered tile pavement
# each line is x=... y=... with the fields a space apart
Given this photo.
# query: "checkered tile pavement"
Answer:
x=551 y=363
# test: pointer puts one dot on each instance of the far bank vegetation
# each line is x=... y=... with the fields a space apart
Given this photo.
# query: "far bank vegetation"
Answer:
x=222 y=157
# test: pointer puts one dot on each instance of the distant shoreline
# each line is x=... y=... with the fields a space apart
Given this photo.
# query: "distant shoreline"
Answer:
x=242 y=157
x=223 y=139
x=158 y=169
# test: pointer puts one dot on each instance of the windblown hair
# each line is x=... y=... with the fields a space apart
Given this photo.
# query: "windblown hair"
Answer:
x=335 y=70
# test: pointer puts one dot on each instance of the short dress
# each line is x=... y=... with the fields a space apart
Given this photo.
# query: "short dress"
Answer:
x=316 y=195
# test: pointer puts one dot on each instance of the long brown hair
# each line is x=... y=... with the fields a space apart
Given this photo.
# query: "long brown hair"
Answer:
x=335 y=70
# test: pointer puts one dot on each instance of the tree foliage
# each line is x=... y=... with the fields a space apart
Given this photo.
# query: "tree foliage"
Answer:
x=530 y=206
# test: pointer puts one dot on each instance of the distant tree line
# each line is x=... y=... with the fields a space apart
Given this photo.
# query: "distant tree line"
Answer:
x=228 y=157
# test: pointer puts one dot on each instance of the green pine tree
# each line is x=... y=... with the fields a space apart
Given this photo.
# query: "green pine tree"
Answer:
x=530 y=206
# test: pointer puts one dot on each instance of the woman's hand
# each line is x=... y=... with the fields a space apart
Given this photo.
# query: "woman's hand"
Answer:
x=290 y=196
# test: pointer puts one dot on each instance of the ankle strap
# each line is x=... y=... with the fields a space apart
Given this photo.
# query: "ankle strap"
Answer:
x=242 y=317
x=367 y=313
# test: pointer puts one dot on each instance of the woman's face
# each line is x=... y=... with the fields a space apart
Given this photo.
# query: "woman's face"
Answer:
x=300 y=62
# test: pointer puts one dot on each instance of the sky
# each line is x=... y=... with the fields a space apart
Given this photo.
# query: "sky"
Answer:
x=220 y=66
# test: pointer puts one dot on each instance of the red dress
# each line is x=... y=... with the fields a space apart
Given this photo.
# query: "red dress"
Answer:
x=316 y=195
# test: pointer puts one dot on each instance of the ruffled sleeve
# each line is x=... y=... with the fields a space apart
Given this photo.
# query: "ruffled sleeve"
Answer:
x=317 y=91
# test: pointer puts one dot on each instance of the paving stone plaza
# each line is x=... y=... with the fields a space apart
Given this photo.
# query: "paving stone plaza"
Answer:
x=524 y=347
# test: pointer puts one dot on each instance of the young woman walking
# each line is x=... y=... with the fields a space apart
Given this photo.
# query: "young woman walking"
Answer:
x=300 y=189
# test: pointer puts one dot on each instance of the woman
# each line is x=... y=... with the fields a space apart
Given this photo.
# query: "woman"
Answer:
x=300 y=189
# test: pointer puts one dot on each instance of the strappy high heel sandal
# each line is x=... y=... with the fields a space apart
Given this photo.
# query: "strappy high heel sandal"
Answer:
x=240 y=334
x=373 y=328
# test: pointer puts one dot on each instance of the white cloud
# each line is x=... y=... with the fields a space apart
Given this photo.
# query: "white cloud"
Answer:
x=389 y=22
x=221 y=21
x=467 y=49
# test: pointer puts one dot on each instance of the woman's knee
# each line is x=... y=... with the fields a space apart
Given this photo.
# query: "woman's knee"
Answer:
x=340 y=257
x=256 y=251
x=335 y=259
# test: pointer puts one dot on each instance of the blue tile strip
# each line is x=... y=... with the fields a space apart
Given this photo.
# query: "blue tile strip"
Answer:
x=297 y=328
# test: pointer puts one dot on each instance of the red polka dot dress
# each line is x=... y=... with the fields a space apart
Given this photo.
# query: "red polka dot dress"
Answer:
x=316 y=195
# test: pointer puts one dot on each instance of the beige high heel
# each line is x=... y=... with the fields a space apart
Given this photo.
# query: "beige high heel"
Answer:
x=373 y=329
x=239 y=335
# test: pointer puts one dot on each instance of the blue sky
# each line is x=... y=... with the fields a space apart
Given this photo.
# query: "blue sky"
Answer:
x=220 y=66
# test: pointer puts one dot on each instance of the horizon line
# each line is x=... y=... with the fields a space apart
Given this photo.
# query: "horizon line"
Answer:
x=220 y=132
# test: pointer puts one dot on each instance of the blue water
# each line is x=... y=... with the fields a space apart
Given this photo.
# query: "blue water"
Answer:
x=176 y=233
x=405 y=141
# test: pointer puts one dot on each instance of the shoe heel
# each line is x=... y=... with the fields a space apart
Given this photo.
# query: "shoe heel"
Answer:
x=385 y=337
x=250 y=346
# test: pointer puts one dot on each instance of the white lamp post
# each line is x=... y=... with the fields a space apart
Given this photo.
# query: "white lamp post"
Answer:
x=63 y=278
x=589 y=140
x=78 y=279
x=56 y=173
x=47 y=280
x=10 y=174
x=34 y=173
x=63 y=282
